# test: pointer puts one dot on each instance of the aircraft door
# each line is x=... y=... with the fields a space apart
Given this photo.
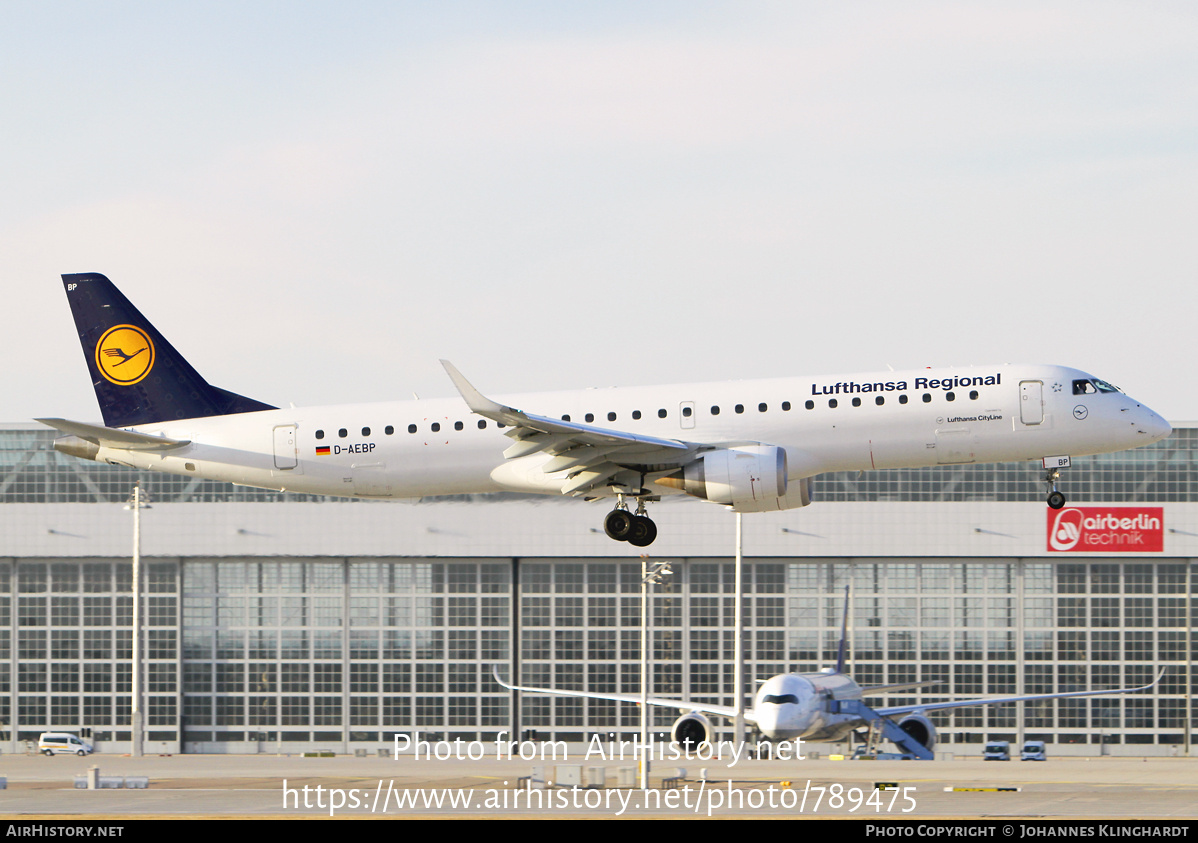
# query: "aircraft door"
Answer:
x=285 y=452
x=1031 y=402
x=686 y=414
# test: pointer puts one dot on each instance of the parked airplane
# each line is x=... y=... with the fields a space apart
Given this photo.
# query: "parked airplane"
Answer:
x=822 y=706
x=750 y=445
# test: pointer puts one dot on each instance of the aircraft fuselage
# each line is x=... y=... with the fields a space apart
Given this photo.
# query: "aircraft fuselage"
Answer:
x=836 y=423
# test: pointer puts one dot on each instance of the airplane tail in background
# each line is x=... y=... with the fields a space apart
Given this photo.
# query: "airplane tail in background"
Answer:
x=842 y=653
x=138 y=376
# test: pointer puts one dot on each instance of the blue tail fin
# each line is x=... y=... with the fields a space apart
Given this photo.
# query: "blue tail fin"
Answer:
x=842 y=652
x=138 y=375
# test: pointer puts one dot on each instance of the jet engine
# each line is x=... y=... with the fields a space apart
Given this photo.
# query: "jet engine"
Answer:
x=691 y=729
x=920 y=728
x=751 y=478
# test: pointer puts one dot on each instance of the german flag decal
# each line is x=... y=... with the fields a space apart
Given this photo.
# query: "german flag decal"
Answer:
x=322 y=450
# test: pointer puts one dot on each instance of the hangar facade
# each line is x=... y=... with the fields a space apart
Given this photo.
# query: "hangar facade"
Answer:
x=276 y=621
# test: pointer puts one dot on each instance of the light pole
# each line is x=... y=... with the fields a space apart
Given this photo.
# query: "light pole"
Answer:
x=1189 y=726
x=137 y=502
x=738 y=638
x=650 y=575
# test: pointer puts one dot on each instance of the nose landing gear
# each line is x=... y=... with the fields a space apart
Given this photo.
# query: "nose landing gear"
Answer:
x=623 y=526
x=1052 y=473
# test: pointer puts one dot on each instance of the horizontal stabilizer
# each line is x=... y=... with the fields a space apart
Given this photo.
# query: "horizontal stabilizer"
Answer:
x=108 y=437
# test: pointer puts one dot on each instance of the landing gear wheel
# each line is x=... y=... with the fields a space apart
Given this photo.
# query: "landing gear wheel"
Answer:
x=624 y=526
x=618 y=524
x=1056 y=499
x=643 y=532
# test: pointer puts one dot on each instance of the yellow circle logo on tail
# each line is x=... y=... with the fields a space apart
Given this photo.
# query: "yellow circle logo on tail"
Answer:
x=125 y=355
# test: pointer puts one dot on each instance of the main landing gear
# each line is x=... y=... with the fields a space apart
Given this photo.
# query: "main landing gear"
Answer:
x=623 y=526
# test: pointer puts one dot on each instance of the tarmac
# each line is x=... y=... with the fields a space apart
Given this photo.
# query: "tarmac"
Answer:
x=295 y=787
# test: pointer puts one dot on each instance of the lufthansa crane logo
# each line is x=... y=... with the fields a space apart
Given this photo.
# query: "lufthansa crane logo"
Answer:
x=125 y=355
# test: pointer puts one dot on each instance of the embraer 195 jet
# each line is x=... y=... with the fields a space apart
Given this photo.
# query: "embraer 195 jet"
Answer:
x=822 y=706
x=750 y=445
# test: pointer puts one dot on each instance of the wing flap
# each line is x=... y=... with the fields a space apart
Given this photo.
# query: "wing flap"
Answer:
x=582 y=455
x=535 y=442
x=584 y=480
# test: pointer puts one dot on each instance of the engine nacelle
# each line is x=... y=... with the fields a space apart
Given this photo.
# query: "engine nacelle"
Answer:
x=920 y=728
x=750 y=478
x=691 y=729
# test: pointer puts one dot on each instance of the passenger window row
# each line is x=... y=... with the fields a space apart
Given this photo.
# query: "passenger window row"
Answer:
x=435 y=427
x=902 y=399
x=611 y=417
x=687 y=412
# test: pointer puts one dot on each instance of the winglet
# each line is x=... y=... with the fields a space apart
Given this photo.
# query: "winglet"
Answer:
x=1156 y=681
x=495 y=668
x=475 y=400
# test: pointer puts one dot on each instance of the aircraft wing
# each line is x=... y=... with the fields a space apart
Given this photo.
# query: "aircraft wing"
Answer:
x=112 y=438
x=592 y=456
x=874 y=690
x=940 y=706
x=677 y=705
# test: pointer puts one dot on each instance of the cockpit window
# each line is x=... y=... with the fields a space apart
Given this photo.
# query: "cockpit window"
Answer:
x=781 y=698
x=1092 y=386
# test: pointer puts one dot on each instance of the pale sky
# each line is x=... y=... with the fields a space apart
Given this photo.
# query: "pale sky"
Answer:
x=314 y=201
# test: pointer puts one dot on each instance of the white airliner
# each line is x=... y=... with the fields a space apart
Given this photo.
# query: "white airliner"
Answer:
x=751 y=445
x=822 y=706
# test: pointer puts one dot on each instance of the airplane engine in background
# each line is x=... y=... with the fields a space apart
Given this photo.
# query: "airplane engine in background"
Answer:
x=691 y=729
x=919 y=727
x=751 y=478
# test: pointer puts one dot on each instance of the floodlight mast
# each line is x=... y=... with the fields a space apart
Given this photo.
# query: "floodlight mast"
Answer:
x=137 y=502
x=653 y=574
x=738 y=644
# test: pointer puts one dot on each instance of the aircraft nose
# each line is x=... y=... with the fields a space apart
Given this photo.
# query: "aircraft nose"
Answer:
x=1155 y=426
x=767 y=722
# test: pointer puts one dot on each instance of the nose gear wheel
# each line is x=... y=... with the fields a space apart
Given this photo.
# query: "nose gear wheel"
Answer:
x=1056 y=499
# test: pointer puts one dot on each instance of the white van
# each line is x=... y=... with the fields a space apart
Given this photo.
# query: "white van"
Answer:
x=63 y=743
x=1034 y=751
x=997 y=751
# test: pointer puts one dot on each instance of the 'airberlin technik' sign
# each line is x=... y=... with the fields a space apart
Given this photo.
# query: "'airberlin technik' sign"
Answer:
x=1113 y=529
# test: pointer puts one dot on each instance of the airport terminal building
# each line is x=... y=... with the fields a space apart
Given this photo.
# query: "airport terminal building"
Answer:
x=286 y=622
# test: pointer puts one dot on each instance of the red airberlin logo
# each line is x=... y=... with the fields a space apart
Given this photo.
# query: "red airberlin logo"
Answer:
x=1119 y=529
